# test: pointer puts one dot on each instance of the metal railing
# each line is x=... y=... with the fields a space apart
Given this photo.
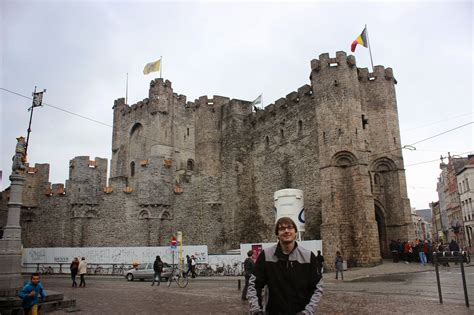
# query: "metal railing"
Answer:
x=112 y=269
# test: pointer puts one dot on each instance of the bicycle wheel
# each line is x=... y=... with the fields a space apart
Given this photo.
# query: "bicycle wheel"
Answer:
x=182 y=280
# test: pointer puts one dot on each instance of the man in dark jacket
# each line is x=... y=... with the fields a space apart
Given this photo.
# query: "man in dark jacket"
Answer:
x=158 y=269
x=319 y=262
x=290 y=273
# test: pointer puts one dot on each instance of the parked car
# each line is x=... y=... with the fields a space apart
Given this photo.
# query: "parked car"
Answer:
x=145 y=272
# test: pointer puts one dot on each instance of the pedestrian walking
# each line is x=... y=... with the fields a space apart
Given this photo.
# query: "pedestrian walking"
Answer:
x=193 y=267
x=319 y=263
x=289 y=271
x=158 y=269
x=339 y=266
x=248 y=268
x=74 y=269
x=82 y=272
x=30 y=294
x=188 y=263
x=421 y=253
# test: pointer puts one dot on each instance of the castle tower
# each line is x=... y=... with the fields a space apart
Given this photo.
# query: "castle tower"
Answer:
x=348 y=216
x=208 y=134
x=392 y=206
x=87 y=178
x=143 y=130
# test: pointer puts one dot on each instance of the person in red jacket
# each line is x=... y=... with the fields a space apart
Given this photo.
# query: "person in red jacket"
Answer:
x=407 y=250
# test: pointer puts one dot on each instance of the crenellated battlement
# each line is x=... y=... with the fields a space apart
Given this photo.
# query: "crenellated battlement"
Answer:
x=292 y=99
x=325 y=61
x=379 y=73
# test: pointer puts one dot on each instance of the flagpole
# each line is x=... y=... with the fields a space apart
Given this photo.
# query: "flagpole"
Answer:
x=126 y=92
x=161 y=65
x=29 y=124
x=33 y=105
x=370 y=50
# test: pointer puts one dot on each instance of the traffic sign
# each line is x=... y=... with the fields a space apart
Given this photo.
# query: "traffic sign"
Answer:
x=173 y=241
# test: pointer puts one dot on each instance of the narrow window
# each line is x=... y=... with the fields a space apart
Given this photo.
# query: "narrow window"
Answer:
x=190 y=165
x=377 y=179
x=132 y=169
x=267 y=141
x=365 y=121
x=282 y=133
x=300 y=125
x=187 y=131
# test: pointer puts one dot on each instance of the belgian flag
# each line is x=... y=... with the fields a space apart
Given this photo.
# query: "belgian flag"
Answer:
x=361 y=40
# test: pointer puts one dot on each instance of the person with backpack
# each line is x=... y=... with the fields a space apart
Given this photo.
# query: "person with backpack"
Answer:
x=158 y=269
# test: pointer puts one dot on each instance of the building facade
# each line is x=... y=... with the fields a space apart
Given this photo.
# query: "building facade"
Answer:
x=209 y=168
x=422 y=222
x=465 y=180
x=449 y=200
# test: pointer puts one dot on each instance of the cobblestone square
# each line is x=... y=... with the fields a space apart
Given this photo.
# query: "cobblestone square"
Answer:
x=388 y=289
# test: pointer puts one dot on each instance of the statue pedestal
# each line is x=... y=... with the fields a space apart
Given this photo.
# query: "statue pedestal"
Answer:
x=10 y=246
x=11 y=280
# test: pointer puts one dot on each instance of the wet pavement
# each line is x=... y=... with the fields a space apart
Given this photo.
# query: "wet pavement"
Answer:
x=389 y=288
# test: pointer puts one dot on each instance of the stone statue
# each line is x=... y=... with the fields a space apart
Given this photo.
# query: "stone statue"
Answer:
x=19 y=159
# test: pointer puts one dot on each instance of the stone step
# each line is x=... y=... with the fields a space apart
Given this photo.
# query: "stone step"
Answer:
x=52 y=301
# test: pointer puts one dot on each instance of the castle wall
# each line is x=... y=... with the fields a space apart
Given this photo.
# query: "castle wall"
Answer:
x=209 y=169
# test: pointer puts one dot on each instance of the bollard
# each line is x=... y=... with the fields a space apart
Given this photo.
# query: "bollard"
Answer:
x=238 y=284
x=450 y=257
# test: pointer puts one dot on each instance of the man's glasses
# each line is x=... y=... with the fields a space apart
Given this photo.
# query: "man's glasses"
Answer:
x=282 y=228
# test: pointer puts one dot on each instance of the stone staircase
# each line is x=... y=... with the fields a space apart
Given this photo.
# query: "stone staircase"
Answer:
x=52 y=302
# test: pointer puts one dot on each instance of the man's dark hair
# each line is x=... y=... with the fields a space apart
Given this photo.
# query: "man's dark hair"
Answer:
x=287 y=221
x=35 y=274
x=250 y=253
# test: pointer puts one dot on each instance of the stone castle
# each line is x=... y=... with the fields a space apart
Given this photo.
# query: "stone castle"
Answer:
x=209 y=168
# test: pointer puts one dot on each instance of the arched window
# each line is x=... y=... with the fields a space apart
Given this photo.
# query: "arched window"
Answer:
x=136 y=130
x=132 y=168
x=144 y=215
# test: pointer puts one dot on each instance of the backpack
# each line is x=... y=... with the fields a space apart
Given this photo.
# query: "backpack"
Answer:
x=160 y=266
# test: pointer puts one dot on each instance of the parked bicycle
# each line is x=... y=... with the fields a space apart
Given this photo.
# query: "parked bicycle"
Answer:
x=118 y=270
x=99 y=270
x=46 y=270
x=204 y=270
x=178 y=275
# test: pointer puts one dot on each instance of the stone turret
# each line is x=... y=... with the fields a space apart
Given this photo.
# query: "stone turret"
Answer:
x=87 y=178
x=348 y=216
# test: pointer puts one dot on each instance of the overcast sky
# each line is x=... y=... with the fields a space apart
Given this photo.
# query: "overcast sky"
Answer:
x=80 y=51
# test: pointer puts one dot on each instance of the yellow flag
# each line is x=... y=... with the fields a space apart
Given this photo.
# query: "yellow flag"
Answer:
x=152 y=67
